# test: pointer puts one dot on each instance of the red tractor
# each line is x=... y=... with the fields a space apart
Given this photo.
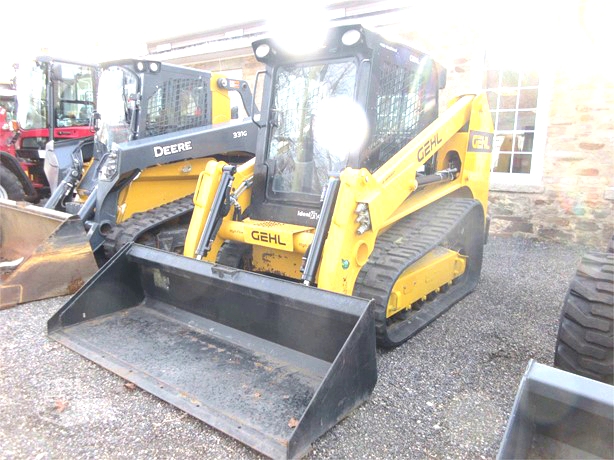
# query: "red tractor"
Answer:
x=55 y=100
x=7 y=115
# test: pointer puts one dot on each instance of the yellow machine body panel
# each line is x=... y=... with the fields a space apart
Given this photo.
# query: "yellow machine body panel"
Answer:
x=276 y=262
x=159 y=185
x=220 y=101
x=434 y=271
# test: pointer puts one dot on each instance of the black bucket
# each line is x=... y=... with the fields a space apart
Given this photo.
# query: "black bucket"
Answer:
x=269 y=362
x=558 y=414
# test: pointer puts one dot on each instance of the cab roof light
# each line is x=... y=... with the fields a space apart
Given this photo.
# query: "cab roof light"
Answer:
x=263 y=50
x=351 y=37
x=147 y=66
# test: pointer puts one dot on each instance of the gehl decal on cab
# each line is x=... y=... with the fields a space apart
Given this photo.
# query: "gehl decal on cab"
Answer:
x=480 y=141
x=160 y=150
x=429 y=147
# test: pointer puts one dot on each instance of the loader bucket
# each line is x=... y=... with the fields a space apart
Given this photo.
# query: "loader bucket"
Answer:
x=269 y=362
x=558 y=414
x=43 y=253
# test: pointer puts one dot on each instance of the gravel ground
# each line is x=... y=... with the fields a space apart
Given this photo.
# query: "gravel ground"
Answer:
x=447 y=393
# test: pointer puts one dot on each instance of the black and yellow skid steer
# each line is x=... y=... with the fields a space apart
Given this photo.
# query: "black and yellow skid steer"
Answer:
x=157 y=125
x=362 y=218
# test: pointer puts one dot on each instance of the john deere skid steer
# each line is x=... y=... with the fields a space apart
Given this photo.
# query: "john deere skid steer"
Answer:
x=154 y=135
x=361 y=218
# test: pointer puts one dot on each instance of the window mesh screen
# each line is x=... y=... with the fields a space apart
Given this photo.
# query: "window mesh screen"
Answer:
x=398 y=107
x=177 y=105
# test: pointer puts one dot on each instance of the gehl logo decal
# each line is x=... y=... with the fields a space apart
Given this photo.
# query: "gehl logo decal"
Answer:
x=429 y=147
x=480 y=141
x=267 y=238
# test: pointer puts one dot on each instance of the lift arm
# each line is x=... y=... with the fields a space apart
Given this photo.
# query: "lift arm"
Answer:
x=368 y=203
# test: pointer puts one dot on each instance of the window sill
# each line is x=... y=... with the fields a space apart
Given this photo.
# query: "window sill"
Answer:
x=516 y=188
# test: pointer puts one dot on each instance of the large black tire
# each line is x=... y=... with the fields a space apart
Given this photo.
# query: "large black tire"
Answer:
x=10 y=186
x=585 y=341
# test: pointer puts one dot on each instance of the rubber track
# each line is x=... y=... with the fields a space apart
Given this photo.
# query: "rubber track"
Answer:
x=142 y=222
x=402 y=245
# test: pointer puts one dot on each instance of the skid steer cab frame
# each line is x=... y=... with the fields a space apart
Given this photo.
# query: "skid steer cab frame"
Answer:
x=395 y=87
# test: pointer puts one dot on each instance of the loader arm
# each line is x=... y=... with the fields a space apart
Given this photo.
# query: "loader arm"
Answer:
x=386 y=196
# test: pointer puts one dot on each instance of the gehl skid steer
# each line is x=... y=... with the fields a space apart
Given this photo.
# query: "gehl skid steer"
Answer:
x=157 y=125
x=297 y=261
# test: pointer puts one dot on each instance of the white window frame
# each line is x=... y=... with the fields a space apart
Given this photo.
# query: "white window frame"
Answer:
x=509 y=180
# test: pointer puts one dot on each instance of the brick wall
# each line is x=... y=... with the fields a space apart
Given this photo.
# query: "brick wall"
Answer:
x=575 y=202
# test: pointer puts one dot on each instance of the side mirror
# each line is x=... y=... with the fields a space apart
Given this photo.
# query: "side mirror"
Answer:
x=95 y=121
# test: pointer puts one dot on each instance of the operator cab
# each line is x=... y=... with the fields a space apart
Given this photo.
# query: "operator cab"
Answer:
x=140 y=99
x=354 y=102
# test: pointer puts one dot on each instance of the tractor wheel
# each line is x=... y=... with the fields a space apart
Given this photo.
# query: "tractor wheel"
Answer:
x=585 y=342
x=10 y=187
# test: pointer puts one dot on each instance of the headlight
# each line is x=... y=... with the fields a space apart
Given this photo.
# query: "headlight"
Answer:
x=263 y=50
x=110 y=166
x=147 y=66
x=351 y=37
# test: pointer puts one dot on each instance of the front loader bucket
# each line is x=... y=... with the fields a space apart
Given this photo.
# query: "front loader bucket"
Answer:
x=269 y=362
x=558 y=414
x=43 y=253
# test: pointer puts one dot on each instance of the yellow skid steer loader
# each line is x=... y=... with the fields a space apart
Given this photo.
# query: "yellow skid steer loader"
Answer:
x=297 y=261
x=111 y=188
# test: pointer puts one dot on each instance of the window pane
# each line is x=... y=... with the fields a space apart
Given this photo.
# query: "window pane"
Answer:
x=492 y=99
x=510 y=78
x=528 y=99
x=505 y=142
x=302 y=163
x=508 y=99
x=526 y=120
x=529 y=79
x=492 y=79
x=506 y=121
x=503 y=163
x=522 y=164
x=524 y=142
